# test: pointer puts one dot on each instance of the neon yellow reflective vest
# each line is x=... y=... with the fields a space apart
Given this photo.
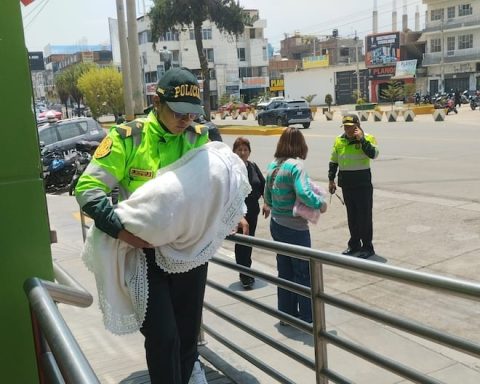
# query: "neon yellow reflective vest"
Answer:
x=352 y=158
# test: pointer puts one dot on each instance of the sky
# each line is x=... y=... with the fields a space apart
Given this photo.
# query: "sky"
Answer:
x=70 y=22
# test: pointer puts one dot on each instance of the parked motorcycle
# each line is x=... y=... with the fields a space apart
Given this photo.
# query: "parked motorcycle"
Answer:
x=84 y=150
x=474 y=101
x=445 y=102
x=58 y=170
x=465 y=98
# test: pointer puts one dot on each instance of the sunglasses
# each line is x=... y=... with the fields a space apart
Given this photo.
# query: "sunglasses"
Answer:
x=185 y=116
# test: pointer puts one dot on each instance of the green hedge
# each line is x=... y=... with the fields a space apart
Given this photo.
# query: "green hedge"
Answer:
x=365 y=106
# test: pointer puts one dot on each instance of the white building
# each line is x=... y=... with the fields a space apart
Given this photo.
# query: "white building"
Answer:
x=238 y=67
x=452 y=36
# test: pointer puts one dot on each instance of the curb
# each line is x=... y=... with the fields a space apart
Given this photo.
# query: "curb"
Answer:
x=249 y=130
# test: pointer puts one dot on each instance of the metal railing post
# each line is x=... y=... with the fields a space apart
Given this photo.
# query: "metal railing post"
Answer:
x=319 y=322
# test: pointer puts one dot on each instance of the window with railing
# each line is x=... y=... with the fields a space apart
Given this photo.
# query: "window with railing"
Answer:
x=436 y=14
x=451 y=12
x=465 y=41
x=464 y=9
x=435 y=45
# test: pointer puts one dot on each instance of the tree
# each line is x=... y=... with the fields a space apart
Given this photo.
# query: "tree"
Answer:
x=71 y=75
x=328 y=100
x=309 y=98
x=61 y=86
x=103 y=91
x=172 y=15
x=393 y=92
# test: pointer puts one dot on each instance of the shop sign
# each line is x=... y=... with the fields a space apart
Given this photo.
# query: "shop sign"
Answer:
x=277 y=85
x=382 y=72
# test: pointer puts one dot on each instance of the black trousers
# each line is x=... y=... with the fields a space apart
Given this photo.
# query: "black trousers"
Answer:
x=243 y=253
x=359 y=203
x=172 y=322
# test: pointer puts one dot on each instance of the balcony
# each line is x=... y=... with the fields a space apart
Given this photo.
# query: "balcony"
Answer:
x=471 y=54
x=463 y=22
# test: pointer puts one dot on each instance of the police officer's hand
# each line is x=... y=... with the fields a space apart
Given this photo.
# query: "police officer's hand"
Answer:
x=243 y=226
x=358 y=133
x=332 y=187
x=133 y=240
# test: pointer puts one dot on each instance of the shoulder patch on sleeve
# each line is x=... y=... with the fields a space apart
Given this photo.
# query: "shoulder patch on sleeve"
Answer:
x=104 y=148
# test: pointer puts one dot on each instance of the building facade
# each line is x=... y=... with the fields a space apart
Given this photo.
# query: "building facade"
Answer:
x=452 y=36
x=238 y=66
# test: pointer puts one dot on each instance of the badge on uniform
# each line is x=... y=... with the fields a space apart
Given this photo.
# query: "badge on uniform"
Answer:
x=135 y=172
x=104 y=148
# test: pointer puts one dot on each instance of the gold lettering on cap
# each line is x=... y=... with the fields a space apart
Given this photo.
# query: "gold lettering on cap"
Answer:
x=187 y=90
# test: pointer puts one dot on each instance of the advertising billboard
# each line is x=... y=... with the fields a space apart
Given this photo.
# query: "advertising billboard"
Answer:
x=315 y=62
x=382 y=49
x=405 y=69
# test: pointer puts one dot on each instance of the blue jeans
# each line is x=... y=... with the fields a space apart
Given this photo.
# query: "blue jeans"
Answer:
x=296 y=270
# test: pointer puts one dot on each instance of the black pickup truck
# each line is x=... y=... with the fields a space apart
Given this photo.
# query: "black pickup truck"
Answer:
x=286 y=112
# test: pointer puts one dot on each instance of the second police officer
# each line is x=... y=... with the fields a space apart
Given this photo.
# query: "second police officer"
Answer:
x=351 y=156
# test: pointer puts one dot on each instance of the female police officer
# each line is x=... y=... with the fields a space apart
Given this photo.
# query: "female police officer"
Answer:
x=129 y=156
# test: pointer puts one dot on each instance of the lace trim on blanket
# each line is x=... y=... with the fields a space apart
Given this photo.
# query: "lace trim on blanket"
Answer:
x=137 y=285
x=230 y=219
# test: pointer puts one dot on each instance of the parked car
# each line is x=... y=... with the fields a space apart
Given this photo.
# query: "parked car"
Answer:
x=45 y=115
x=63 y=135
x=286 y=112
x=266 y=102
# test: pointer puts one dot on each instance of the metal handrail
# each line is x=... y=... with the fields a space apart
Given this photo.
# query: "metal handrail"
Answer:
x=59 y=356
x=457 y=287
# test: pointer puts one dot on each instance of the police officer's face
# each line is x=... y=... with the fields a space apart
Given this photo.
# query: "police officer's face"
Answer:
x=175 y=123
x=349 y=130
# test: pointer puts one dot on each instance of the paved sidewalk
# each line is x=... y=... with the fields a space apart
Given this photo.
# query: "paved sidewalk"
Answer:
x=121 y=359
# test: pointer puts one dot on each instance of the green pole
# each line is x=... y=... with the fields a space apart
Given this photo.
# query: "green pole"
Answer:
x=24 y=231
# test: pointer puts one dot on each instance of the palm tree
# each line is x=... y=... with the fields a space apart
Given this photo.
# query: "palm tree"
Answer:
x=393 y=92
x=171 y=15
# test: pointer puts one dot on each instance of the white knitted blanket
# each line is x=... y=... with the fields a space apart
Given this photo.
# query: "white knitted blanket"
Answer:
x=185 y=212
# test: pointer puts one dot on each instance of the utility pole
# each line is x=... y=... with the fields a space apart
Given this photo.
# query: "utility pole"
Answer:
x=358 y=66
x=127 y=84
x=442 y=59
x=134 y=56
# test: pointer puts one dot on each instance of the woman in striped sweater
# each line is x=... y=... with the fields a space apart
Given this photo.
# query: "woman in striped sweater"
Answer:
x=287 y=181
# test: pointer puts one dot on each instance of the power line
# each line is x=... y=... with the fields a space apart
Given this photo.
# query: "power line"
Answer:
x=36 y=15
x=351 y=21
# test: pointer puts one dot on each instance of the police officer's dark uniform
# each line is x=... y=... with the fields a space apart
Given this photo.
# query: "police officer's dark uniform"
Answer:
x=351 y=155
x=128 y=157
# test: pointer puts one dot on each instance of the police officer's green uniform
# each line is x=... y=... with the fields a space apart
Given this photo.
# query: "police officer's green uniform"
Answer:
x=352 y=159
x=128 y=157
